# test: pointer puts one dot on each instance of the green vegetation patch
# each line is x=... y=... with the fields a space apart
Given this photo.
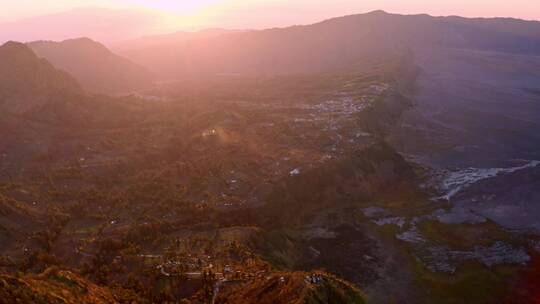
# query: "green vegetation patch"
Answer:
x=463 y=236
x=471 y=283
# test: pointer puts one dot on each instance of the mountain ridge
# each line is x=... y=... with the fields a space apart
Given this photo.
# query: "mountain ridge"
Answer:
x=97 y=68
x=332 y=44
x=27 y=81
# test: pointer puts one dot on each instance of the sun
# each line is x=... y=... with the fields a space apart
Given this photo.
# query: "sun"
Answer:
x=177 y=6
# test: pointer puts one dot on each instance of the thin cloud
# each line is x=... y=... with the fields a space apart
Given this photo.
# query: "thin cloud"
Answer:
x=105 y=25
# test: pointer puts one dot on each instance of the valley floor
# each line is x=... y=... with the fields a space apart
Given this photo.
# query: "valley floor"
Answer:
x=273 y=190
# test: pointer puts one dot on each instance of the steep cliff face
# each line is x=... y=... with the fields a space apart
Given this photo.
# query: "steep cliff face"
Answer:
x=383 y=115
x=362 y=176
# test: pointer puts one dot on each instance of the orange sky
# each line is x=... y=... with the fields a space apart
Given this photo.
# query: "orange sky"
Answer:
x=137 y=17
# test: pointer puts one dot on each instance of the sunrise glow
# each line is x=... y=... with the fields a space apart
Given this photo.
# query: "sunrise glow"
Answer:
x=264 y=13
x=269 y=151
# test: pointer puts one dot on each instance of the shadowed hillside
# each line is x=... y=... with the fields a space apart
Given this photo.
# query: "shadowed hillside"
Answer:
x=328 y=46
x=94 y=66
x=27 y=81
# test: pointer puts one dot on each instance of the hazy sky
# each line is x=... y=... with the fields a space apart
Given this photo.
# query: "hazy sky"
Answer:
x=127 y=18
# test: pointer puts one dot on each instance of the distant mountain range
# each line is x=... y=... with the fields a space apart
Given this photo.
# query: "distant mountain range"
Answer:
x=93 y=65
x=325 y=46
x=142 y=43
